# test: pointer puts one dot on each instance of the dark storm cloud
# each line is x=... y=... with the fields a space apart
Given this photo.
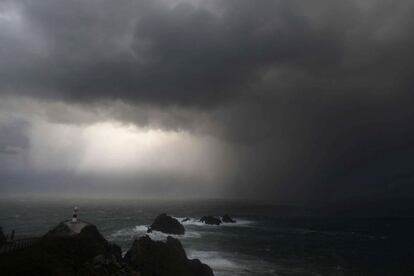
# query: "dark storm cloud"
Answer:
x=184 y=54
x=315 y=95
x=146 y=52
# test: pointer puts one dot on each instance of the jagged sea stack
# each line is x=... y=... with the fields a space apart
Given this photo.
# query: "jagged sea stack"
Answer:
x=210 y=220
x=167 y=224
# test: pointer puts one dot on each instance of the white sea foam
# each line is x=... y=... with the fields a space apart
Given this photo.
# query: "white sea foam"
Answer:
x=197 y=222
x=141 y=230
x=191 y=221
x=240 y=222
x=123 y=233
x=214 y=259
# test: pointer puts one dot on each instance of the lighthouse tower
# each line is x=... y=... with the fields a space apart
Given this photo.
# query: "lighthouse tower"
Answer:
x=75 y=215
x=74 y=224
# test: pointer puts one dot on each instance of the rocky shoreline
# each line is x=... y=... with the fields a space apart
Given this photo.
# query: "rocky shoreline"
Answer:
x=62 y=251
x=78 y=248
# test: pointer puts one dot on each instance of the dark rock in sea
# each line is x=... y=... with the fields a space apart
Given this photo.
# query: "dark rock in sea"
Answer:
x=210 y=220
x=163 y=259
x=185 y=219
x=168 y=225
x=227 y=219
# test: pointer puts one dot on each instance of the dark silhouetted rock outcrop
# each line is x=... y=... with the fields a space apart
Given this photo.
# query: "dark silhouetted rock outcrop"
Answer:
x=61 y=230
x=168 y=225
x=198 y=268
x=80 y=249
x=227 y=219
x=210 y=220
x=163 y=259
x=61 y=252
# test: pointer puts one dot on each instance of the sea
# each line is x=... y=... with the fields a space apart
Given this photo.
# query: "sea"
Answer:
x=267 y=239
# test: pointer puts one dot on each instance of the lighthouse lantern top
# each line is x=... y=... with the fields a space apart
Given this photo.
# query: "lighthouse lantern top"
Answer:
x=75 y=214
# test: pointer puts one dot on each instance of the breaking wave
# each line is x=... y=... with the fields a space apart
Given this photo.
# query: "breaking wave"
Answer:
x=197 y=222
x=141 y=230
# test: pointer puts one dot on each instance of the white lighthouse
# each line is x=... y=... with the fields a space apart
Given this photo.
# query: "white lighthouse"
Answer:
x=74 y=224
x=75 y=215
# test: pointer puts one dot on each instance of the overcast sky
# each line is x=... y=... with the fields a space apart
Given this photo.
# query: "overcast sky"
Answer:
x=285 y=100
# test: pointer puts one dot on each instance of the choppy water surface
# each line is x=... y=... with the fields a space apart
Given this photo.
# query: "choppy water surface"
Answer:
x=266 y=240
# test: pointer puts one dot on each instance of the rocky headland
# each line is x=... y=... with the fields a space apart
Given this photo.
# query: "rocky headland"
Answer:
x=70 y=249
